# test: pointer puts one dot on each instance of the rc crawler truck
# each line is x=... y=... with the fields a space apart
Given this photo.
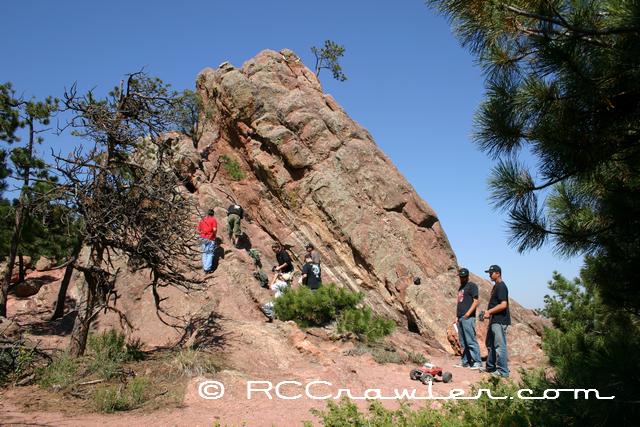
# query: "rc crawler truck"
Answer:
x=430 y=372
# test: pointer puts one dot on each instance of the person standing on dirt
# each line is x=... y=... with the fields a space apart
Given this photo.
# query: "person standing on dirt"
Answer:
x=499 y=320
x=208 y=227
x=311 y=273
x=285 y=264
x=315 y=255
x=235 y=214
x=466 y=320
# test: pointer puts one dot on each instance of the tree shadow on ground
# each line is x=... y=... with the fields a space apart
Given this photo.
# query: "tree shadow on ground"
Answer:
x=60 y=327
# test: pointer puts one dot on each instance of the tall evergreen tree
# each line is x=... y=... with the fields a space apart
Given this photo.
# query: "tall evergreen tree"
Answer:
x=27 y=166
x=563 y=81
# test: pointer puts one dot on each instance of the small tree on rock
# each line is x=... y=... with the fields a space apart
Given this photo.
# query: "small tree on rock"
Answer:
x=327 y=57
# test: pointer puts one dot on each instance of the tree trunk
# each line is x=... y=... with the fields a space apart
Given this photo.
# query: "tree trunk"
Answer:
x=87 y=304
x=11 y=262
x=21 y=269
x=64 y=286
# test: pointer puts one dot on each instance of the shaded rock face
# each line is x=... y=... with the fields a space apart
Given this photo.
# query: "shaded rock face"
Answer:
x=311 y=174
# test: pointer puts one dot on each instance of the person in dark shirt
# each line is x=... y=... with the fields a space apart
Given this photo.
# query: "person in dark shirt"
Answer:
x=499 y=320
x=466 y=320
x=311 y=250
x=285 y=264
x=311 y=273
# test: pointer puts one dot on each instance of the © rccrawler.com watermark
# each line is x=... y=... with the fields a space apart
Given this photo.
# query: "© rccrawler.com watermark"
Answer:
x=324 y=390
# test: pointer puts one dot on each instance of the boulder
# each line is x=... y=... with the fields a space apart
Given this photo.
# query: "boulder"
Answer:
x=45 y=264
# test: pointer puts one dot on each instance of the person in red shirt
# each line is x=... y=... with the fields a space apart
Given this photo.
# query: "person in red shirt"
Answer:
x=208 y=227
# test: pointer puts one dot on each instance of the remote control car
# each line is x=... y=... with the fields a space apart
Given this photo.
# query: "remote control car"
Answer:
x=430 y=372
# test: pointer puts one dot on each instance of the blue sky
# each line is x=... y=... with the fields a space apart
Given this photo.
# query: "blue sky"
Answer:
x=409 y=83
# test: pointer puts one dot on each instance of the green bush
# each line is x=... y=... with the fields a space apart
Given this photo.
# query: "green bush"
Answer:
x=15 y=362
x=122 y=398
x=365 y=324
x=233 y=168
x=60 y=373
x=417 y=358
x=471 y=413
x=194 y=363
x=315 y=308
x=109 y=351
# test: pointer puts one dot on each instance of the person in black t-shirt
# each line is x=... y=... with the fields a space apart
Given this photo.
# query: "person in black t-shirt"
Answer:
x=466 y=320
x=499 y=319
x=311 y=274
x=285 y=264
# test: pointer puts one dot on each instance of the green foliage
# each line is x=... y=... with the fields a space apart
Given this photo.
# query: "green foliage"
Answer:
x=122 y=398
x=346 y=414
x=362 y=322
x=233 y=168
x=328 y=57
x=189 y=108
x=15 y=362
x=194 y=363
x=62 y=372
x=592 y=346
x=417 y=358
x=109 y=351
x=380 y=353
x=460 y=413
x=315 y=308
x=563 y=82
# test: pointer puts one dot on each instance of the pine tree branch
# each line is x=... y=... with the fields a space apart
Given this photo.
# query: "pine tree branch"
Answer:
x=563 y=23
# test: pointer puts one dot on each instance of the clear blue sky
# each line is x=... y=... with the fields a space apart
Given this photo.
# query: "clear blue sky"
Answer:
x=409 y=83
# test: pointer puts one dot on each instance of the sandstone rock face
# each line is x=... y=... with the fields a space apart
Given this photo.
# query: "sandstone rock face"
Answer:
x=312 y=174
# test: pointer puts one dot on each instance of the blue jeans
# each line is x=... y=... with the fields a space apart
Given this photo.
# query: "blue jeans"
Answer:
x=497 y=348
x=468 y=341
x=208 y=252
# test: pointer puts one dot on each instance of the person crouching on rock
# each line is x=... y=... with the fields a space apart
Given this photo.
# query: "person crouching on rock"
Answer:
x=208 y=227
x=278 y=286
x=285 y=264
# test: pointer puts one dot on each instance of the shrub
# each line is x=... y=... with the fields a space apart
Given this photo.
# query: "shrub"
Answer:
x=15 y=362
x=315 y=308
x=60 y=373
x=365 y=324
x=122 y=398
x=417 y=358
x=193 y=363
x=233 y=168
x=109 y=352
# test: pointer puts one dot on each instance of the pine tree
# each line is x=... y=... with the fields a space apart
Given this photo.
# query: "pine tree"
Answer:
x=563 y=81
x=27 y=169
x=328 y=57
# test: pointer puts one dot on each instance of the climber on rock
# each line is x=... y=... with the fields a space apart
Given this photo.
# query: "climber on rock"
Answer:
x=285 y=264
x=235 y=214
x=208 y=227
